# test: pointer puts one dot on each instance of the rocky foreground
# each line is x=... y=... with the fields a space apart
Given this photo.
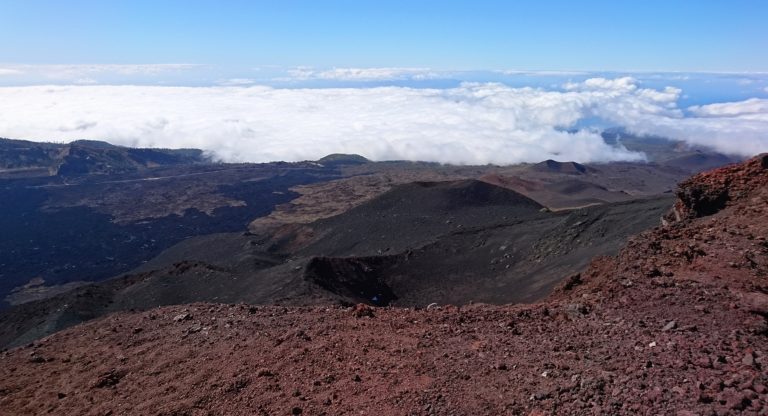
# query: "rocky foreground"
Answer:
x=677 y=323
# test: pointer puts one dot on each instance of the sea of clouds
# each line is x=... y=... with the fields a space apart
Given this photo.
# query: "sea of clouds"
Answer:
x=474 y=123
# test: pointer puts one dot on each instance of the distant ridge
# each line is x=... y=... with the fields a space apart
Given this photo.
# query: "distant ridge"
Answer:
x=698 y=161
x=21 y=158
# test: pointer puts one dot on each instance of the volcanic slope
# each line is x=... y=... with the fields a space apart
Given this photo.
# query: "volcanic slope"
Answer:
x=501 y=254
x=447 y=242
x=415 y=213
x=675 y=324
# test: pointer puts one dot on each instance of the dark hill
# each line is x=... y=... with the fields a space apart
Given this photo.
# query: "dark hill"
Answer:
x=343 y=159
x=450 y=195
x=570 y=168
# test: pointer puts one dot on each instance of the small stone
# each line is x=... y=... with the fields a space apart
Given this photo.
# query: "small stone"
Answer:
x=704 y=362
x=701 y=308
x=575 y=310
x=182 y=317
x=296 y=411
x=669 y=326
x=37 y=359
x=542 y=395
x=61 y=395
x=357 y=378
x=748 y=360
x=303 y=336
x=652 y=344
x=264 y=373
x=109 y=379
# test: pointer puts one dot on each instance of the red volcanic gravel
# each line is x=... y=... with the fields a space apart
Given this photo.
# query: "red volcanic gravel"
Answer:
x=675 y=324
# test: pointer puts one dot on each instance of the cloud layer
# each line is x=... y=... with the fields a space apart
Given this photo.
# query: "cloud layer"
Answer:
x=475 y=123
x=364 y=74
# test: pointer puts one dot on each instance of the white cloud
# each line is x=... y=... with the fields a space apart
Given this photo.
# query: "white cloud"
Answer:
x=623 y=84
x=232 y=82
x=363 y=74
x=752 y=106
x=666 y=76
x=474 y=123
x=541 y=73
x=9 y=71
x=86 y=81
x=83 y=71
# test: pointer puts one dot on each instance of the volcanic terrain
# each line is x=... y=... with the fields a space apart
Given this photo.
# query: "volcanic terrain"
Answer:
x=87 y=211
x=676 y=323
x=419 y=243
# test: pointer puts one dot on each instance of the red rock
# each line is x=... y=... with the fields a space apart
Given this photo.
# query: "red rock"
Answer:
x=362 y=310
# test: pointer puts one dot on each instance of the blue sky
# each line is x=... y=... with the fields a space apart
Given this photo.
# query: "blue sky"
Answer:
x=455 y=82
x=448 y=35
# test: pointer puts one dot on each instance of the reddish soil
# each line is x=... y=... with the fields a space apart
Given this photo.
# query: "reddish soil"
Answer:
x=677 y=323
